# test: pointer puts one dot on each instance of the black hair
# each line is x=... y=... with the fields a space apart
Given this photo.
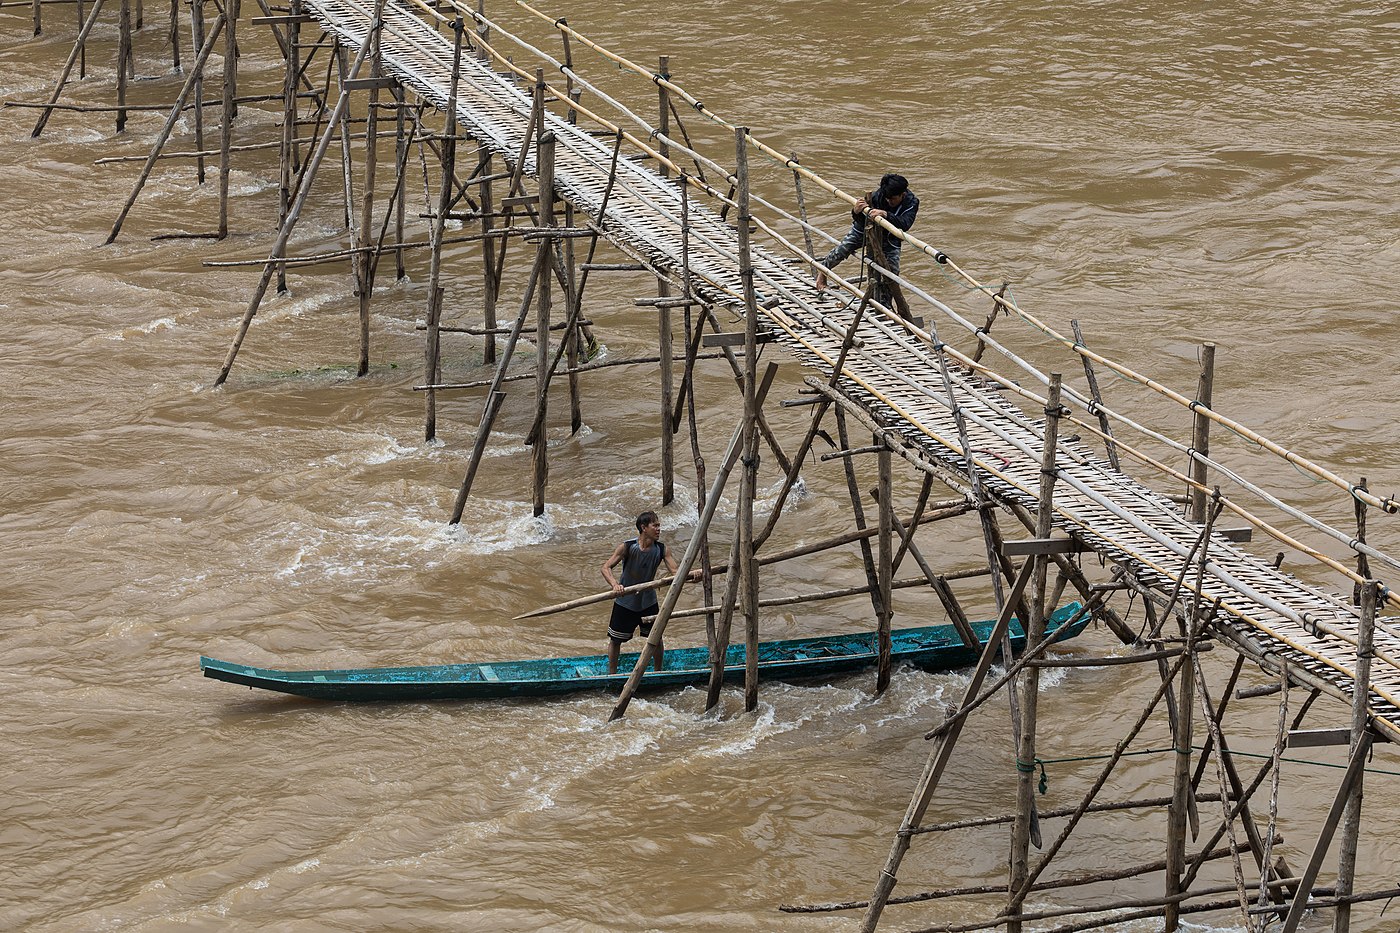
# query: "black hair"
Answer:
x=892 y=186
x=646 y=518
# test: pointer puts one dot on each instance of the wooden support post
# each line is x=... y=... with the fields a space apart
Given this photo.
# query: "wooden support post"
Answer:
x=872 y=576
x=368 y=258
x=1109 y=447
x=123 y=60
x=230 y=108
x=1360 y=716
x=1200 y=434
x=490 y=280
x=1363 y=564
x=1025 y=825
x=346 y=173
x=38 y=18
x=1178 y=811
x=886 y=567
x=191 y=81
x=197 y=44
x=289 y=118
x=82 y=45
x=747 y=566
x=79 y=46
x=663 y=315
x=174 y=35
x=544 y=157
x=401 y=193
x=432 y=349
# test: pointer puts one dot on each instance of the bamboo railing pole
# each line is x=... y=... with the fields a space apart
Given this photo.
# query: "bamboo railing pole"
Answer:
x=1360 y=715
x=79 y=46
x=1026 y=825
x=885 y=569
x=935 y=765
x=687 y=561
x=1200 y=433
x=1363 y=564
x=432 y=347
x=802 y=207
x=196 y=44
x=280 y=246
x=748 y=568
x=170 y=122
x=230 y=109
x=1092 y=377
x=123 y=59
x=544 y=157
x=663 y=316
x=367 y=258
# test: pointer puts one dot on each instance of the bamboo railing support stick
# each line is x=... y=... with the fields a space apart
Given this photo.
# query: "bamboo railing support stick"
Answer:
x=280 y=246
x=1026 y=828
x=1110 y=448
x=79 y=46
x=170 y=122
x=1200 y=432
x=936 y=763
x=432 y=347
x=702 y=526
x=1360 y=715
x=802 y=207
x=544 y=158
x=230 y=109
x=885 y=569
x=1363 y=564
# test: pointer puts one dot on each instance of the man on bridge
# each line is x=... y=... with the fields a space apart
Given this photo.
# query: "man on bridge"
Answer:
x=897 y=204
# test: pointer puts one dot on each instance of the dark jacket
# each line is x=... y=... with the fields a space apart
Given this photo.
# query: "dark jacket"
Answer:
x=901 y=216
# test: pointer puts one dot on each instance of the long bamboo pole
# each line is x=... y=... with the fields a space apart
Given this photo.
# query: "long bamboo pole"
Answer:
x=1360 y=715
x=367 y=258
x=544 y=160
x=432 y=346
x=78 y=47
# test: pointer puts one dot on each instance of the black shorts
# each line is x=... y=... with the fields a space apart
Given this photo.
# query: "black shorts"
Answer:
x=625 y=621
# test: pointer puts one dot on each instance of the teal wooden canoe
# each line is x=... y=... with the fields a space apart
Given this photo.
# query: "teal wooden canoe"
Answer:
x=934 y=648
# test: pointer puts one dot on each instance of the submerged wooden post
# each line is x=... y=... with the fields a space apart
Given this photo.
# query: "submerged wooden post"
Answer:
x=1360 y=716
x=1024 y=825
x=544 y=157
x=289 y=121
x=197 y=43
x=490 y=282
x=174 y=35
x=1200 y=434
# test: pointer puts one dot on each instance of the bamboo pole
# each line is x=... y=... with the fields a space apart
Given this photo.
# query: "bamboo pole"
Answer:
x=824 y=595
x=544 y=163
x=872 y=576
x=1200 y=433
x=1026 y=825
x=663 y=322
x=748 y=569
x=401 y=193
x=288 y=139
x=279 y=247
x=433 y=345
x=174 y=35
x=885 y=570
x=1363 y=564
x=170 y=122
x=1360 y=716
x=123 y=61
x=197 y=43
x=367 y=259
x=79 y=46
x=230 y=109
x=491 y=283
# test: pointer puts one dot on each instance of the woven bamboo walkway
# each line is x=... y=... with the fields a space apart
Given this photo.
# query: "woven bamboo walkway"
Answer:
x=896 y=376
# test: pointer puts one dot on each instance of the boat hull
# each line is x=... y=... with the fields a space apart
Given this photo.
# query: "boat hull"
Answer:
x=933 y=648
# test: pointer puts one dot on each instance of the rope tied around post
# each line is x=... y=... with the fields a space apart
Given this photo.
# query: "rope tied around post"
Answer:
x=1030 y=768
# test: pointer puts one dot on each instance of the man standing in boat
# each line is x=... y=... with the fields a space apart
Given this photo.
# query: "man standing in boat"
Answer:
x=897 y=204
x=640 y=557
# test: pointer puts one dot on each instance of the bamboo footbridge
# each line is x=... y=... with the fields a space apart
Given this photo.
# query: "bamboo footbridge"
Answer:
x=949 y=415
x=895 y=375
